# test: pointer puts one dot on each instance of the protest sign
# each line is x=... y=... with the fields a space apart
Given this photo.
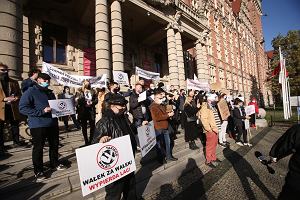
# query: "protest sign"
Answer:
x=146 y=74
x=197 y=85
x=250 y=110
x=121 y=77
x=104 y=163
x=147 y=137
x=223 y=109
x=142 y=96
x=61 y=107
x=76 y=81
x=295 y=100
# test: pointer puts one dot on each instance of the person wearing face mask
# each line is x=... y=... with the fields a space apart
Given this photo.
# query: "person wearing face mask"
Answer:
x=86 y=101
x=253 y=116
x=191 y=128
x=31 y=80
x=113 y=124
x=10 y=94
x=138 y=109
x=209 y=118
x=34 y=104
x=238 y=117
x=67 y=95
x=161 y=118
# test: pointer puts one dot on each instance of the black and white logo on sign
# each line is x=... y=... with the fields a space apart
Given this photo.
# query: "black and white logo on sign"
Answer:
x=107 y=157
x=121 y=77
x=62 y=105
x=147 y=131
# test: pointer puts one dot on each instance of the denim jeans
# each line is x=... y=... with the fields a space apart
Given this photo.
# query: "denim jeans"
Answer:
x=164 y=138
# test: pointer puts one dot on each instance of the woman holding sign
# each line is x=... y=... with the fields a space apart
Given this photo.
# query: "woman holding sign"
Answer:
x=113 y=124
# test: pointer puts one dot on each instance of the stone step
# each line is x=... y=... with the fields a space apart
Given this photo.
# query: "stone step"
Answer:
x=71 y=174
x=69 y=156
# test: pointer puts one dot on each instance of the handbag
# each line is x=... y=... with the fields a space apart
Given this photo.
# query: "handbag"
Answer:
x=191 y=119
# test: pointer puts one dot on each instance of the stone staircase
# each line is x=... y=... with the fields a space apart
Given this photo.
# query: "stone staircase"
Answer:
x=17 y=180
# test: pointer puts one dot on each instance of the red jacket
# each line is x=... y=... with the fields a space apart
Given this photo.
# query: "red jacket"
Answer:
x=255 y=105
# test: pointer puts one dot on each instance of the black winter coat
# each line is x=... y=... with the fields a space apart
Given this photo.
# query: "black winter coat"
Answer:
x=237 y=117
x=114 y=126
x=136 y=107
x=287 y=144
x=191 y=129
x=86 y=112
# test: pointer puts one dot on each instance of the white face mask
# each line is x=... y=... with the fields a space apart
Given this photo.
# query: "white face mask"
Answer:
x=163 y=99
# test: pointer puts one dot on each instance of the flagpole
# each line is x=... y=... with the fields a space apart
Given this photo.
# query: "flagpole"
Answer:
x=287 y=92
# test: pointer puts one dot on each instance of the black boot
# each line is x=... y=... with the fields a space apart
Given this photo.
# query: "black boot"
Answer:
x=194 y=145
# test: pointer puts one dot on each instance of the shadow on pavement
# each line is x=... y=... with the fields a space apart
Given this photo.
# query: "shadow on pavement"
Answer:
x=244 y=171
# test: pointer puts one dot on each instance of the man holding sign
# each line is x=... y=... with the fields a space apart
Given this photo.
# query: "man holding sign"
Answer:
x=34 y=104
x=113 y=124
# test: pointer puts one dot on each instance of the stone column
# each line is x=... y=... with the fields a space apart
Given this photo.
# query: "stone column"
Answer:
x=11 y=36
x=172 y=58
x=117 y=36
x=180 y=62
x=102 y=38
x=201 y=59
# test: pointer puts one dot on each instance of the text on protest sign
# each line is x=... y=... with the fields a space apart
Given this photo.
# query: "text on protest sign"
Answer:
x=121 y=77
x=147 y=137
x=62 y=107
x=142 y=96
x=76 y=81
x=249 y=110
x=197 y=85
x=223 y=109
x=146 y=74
x=104 y=163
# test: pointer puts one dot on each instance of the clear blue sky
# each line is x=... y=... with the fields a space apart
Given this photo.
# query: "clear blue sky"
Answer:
x=283 y=15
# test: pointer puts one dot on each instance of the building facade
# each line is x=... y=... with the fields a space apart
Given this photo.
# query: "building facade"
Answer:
x=218 y=40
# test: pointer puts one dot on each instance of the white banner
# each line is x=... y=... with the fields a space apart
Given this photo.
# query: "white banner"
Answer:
x=62 y=107
x=104 y=163
x=121 y=77
x=197 y=85
x=146 y=74
x=147 y=137
x=249 y=110
x=76 y=81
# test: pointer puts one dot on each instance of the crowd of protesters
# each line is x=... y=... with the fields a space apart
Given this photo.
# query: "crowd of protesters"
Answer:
x=110 y=113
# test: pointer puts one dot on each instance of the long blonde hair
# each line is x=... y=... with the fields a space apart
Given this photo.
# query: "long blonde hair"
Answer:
x=186 y=102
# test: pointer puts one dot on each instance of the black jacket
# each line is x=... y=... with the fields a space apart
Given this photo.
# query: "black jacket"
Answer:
x=237 y=117
x=86 y=112
x=114 y=126
x=136 y=107
x=287 y=144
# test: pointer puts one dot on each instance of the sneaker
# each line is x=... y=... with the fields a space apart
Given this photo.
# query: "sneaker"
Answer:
x=222 y=145
x=215 y=163
x=40 y=176
x=248 y=144
x=61 y=167
x=240 y=144
x=171 y=159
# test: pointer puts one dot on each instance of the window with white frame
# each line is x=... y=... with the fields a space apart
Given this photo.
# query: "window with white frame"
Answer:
x=212 y=74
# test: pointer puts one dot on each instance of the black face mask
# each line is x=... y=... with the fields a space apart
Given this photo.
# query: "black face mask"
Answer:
x=4 y=76
x=116 y=90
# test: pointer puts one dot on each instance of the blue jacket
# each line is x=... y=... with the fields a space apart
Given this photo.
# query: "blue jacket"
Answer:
x=27 y=83
x=32 y=104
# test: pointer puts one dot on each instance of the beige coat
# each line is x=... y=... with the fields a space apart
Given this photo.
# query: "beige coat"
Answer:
x=13 y=88
x=207 y=118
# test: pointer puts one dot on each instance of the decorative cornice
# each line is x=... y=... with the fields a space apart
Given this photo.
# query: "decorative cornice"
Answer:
x=175 y=24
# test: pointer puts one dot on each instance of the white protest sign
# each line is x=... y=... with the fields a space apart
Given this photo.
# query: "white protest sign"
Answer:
x=147 y=137
x=121 y=77
x=295 y=100
x=61 y=107
x=250 y=110
x=104 y=163
x=247 y=124
x=146 y=74
x=76 y=81
x=197 y=85
x=142 y=96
